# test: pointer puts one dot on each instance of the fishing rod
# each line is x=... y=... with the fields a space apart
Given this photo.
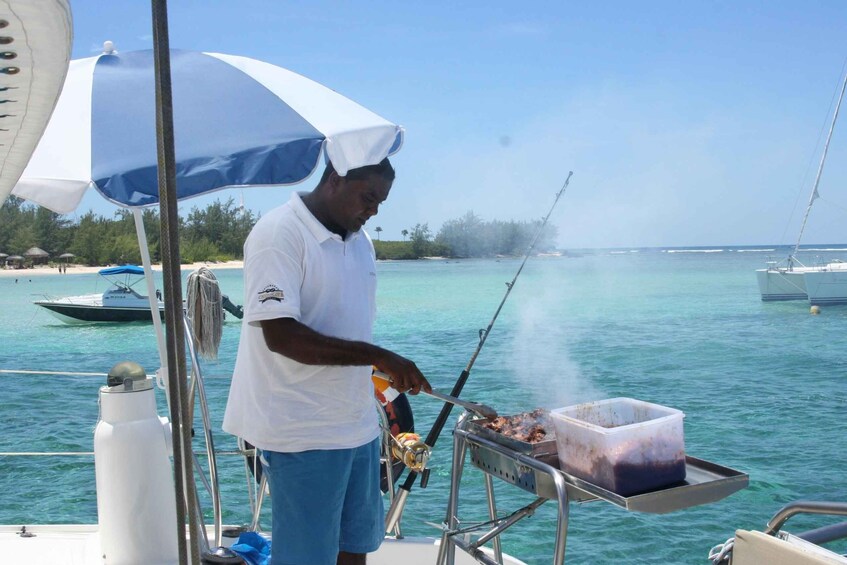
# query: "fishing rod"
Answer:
x=396 y=509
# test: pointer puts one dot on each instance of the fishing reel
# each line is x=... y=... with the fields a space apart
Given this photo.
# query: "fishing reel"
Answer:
x=411 y=450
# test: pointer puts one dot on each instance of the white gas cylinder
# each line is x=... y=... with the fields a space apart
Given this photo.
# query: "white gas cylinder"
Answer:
x=135 y=490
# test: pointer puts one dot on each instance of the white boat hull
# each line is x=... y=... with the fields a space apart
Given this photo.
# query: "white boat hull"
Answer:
x=781 y=284
x=822 y=284
x=90 y=308
x=826 y=286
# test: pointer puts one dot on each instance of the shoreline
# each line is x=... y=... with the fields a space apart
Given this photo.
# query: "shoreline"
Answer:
x=42 y=270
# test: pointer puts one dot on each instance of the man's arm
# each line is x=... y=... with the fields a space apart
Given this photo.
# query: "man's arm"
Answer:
x=297 y=341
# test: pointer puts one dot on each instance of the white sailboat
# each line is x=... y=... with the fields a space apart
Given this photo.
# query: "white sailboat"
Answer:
x=824 y=283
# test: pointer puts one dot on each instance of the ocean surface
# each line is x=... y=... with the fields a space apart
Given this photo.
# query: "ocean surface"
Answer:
x=763 y=385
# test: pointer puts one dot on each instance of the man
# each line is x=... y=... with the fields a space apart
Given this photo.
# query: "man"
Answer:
x=301 y=390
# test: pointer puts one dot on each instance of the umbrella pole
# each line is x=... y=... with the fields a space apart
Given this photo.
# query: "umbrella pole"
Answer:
x=183 y=469
x=141 y=234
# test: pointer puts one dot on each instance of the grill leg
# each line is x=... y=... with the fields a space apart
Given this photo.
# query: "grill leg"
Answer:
x=447 y=551
x=562 y=525
x=492 y=515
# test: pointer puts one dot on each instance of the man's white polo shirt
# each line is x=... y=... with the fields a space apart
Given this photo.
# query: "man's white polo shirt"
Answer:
x=296 y=268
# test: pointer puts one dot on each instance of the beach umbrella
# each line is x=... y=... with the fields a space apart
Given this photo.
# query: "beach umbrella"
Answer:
x=35 y=252
x=66 y=256
x=14 y=259
x=3 y=255
x=237 y=122
x=37 y=255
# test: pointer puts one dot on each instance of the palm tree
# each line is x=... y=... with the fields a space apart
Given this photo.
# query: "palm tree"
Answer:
x=377 y=230
x=405 y=234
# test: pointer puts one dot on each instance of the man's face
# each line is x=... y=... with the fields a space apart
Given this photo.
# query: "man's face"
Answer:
x=354 y=202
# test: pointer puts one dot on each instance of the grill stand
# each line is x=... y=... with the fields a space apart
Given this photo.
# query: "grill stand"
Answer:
x=705 y=482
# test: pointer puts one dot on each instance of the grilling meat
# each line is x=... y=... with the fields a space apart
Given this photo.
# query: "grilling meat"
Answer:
x=528 y=426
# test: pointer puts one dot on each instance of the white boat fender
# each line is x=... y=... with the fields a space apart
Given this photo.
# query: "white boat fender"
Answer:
x=135 y=488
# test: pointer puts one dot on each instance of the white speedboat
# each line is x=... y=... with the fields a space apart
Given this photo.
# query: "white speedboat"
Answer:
x=118 y=303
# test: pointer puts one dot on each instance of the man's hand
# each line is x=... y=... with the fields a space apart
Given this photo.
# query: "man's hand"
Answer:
x=404 y=374
x=297 y=341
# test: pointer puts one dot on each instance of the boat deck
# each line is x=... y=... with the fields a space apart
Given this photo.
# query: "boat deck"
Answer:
x=79 y=544
x=45 y=545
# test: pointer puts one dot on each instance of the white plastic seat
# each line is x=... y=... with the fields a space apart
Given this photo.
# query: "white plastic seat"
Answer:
x=758 y=548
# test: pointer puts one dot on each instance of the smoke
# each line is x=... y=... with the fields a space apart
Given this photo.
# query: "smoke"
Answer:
x=541 y=349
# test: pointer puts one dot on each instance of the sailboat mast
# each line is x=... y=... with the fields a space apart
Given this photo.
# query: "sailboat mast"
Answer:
x=814 y=194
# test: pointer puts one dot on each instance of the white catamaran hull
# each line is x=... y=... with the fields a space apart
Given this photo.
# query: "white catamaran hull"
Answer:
x=781 y=284
x=822 y=284
x=827 y=286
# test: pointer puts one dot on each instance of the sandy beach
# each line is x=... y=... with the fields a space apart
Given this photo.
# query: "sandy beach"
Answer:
x=84 y=270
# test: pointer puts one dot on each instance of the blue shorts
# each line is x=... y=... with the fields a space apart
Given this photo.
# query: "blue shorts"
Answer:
x=323 y=502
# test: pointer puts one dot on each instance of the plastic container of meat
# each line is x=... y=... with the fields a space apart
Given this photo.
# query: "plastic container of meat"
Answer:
x=624 y=445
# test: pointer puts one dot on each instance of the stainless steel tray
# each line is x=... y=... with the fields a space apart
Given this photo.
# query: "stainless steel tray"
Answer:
x=704 y=482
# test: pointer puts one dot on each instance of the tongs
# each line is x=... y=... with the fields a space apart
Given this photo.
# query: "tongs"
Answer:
x=482 y=410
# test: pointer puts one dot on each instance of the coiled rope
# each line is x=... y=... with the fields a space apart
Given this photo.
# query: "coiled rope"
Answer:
x=205 y=311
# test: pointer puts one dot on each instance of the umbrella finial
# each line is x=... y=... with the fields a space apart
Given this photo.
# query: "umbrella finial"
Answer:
x=109 y=48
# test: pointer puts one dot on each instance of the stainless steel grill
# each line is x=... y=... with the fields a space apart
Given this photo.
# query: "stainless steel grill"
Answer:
x=507 y=468
x=533 y=467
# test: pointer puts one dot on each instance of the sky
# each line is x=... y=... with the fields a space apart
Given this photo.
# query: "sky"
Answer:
x=684 y=123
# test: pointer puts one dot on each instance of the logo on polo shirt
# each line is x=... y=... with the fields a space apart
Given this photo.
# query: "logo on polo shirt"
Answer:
x=271 y=292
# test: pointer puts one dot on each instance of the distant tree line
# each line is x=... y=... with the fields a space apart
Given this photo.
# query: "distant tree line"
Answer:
x=217 y=233
x=469 y=236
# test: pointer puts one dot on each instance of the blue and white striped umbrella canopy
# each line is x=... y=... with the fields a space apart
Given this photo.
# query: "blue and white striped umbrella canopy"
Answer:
x=237 y=122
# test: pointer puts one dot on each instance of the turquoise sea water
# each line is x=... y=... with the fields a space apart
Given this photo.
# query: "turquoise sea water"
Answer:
x=762 y=386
